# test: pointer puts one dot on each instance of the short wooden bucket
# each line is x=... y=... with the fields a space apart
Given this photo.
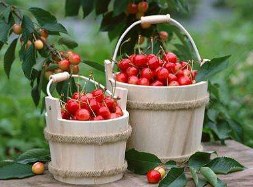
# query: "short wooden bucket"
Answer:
x=166 y=121
x=90 y=152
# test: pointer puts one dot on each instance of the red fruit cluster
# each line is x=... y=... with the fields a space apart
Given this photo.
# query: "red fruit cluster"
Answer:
x=66 y=61
x=92 y=106
x=151 y=70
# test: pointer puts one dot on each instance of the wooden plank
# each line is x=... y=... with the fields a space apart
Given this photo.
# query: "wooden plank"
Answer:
x=233 y=149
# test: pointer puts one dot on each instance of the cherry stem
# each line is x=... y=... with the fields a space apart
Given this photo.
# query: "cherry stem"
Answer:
x=152 y=44
x=120 y=50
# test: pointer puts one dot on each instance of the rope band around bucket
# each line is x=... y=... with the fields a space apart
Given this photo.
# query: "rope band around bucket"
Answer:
x=97 y=140
x=182 y=105
x=79 y=174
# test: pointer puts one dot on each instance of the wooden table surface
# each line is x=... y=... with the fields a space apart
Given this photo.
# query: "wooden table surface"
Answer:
x=233 y=149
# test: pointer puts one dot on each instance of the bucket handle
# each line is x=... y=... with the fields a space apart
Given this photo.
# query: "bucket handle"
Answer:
x=59 y=77
x=154 y=19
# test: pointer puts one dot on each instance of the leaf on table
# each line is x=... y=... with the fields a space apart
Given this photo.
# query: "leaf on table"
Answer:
x=15 y=171
x=210 y=68
x=171 y=164
x=9 y=57
x=209 y=175
x=34 y=155
x=194 y=176
x=225 y=165
x=72 y=7
x=67 y=42
x=175 y=178
x=141 y=162
x=199 y=159
x=220 y=183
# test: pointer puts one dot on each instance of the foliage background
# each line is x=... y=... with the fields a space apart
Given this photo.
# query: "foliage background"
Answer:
x=228 y=32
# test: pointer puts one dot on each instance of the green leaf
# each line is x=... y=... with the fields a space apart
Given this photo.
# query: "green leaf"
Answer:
x=87 y=6
x=42 y=16
x=1 y=45
x=210 y=68
x=9 y=57
x=209 y=175
x=27 y=27
x=28 y=61
x=220 y=183
x=15 y=170
x=194 y=176
x=95 y=65
x=55 y=27
x=119 y=7
x=6 y=14
x=35 y=93
x=110 y=22
x=72 y=7
x=66 y=88
x=68 y=42
x=225 y=165
x=221 y=129
x=4 y=31
x=199 y=159
x=5 y=162
x=175 y=178
x=52 y=67
x=171 y=164
x=102 y=6
x=34 y=155
x=141 y=162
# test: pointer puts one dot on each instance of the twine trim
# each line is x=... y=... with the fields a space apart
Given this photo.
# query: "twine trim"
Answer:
x=96 y=140
x=180 y=159
x=94 y=173
x=181 y=105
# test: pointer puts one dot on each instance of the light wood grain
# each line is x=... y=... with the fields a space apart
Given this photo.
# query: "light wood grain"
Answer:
x=169 y=134
x=233 y=149
x=86 y=157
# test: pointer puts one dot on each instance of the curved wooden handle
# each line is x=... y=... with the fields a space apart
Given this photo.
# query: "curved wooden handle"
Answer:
x=156 y=19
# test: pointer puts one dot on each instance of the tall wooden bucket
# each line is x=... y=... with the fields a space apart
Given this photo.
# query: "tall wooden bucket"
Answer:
x=86 y=152
x=166 y=121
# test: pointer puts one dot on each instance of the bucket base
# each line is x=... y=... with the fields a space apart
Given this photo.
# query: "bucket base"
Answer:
x=94 y=180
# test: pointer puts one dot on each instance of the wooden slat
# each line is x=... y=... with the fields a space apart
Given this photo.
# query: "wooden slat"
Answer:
x=233 y=149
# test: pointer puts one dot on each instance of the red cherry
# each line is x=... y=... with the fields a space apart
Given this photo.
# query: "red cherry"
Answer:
x=162 y=74
x=147 y=73
x=121 y=77
x=77 y=95
x=170 y=57
x=187 y=73
x=149 y=56
x=82 y=115
x=98 y=118
x=173 y=83
x=153 y=62
x=157 y=83
x=133 y=80
x=132 y=8
x=170 y=66
x=143 y=81
x=64 y=65
x=131 y=58
x=140 y=60
x=74 y=59
x=89 y=95
x=104 y=112
x=119 y=111
x=72 y=106
x=172 y=77
x=131 y=71
x=153 y=176
x=183 y=80
x=84 y=102
x=142 y=6
x=98 y=94
x=65 y=114
x=179 y=73
x=110 y=103
x=177 y=67
x=157 y=70
x=114 y=115
x=124 y=64
x=94 y=105
x=185 y=65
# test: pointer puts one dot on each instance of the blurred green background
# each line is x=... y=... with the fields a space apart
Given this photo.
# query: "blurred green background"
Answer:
x=219 y=27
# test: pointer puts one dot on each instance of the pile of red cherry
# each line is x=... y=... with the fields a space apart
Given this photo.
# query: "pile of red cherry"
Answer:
x=92 y=106
x=151 y=70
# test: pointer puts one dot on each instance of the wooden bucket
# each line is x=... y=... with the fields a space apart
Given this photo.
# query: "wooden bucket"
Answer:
x=86 y=152
x=166 y=121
